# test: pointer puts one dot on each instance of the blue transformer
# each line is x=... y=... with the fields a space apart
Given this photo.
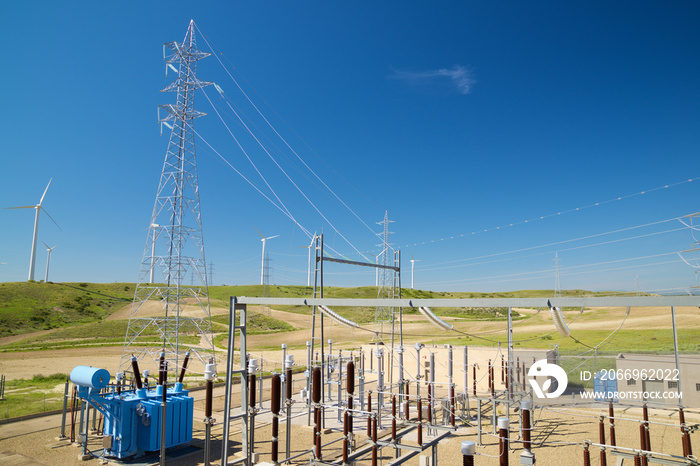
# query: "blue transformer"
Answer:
x=133 y=419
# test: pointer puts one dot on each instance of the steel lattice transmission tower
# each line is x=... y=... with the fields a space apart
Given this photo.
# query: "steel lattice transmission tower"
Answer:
x=557 y=280
x=386 y=286
x=175 y=244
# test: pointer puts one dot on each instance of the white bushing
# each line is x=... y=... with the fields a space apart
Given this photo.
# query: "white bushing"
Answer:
x=119 y=376
x=503 y=423
x=209 y=371
x=284 y=346
x=146 y=373
x=252 y=365
x=468 y=448
x=289 y=362
x=525 y=405
x=379 y=352
x=399 y=349
x=418 y=346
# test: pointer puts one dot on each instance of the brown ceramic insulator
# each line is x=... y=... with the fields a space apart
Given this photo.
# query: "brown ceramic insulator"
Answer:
x=119 y=387
x=489 y=374
x=208 y=398
x=289 y=384
x=393 y=417
x=374 y=442
x=161 y=364
x=137 y=373
x=316 y=385
x=251 y=398
x=274 y=451
x=612 y=424
x=586 y=457
x=637 y=460
x=503 y=367
x=467 y=460
x=345 y=437
x=430 y=413
x=165 y=373
x=275 y=429
x=474 y=380
x=690 y=446
x=526 y=430
x=452 y=405
x=420 y=422
x=276 y=393
x=350 y=405
x=184 y=367
x=503 y=446
x=318 y=433
x=642 y=443
x=351 y=378
x=601 y=439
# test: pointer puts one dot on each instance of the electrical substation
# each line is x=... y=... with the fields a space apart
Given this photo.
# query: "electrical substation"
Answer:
x=395 y=398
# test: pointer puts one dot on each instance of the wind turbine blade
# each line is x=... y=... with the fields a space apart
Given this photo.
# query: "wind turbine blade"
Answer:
x=276 y=236
x=44 y=195
x=22 y=207
x=54 y=221
x=47 y=246
x=261 y=235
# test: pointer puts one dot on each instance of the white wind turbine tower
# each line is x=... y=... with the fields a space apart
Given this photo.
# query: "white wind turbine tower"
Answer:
x=412 y=262
x=262 y=268
x=308 y=269
x=37 y=208
x=48 y=259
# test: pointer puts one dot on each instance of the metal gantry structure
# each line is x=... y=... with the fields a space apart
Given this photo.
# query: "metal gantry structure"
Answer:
x=384 y=316
x=496 y=403
x=175 y=244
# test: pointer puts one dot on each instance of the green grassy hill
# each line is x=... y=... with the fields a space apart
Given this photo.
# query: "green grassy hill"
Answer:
x=30 y=306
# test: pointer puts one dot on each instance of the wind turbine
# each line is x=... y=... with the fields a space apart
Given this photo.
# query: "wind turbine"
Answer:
x=37 y=208
x=262 y=268
x=412 y=262
x=308 y=270
x=48 y=259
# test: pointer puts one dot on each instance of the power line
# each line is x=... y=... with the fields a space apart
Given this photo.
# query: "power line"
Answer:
x=542 y=217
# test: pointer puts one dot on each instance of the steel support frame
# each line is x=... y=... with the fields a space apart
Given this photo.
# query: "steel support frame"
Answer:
x=236 y=307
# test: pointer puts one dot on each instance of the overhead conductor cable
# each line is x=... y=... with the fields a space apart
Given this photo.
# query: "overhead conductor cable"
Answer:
x=435 y=320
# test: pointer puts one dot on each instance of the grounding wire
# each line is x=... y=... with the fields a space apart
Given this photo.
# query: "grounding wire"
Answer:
x=511 y=277
x=247 y=156
x=558 y=250
x=283 y=139
x=562 y=242
x=542 y=217
x=284 y=210
x=279 y=167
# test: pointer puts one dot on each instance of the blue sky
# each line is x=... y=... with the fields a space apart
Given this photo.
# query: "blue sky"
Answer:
x=455 y=117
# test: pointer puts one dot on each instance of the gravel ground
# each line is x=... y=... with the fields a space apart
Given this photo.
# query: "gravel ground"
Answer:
x=556 y=437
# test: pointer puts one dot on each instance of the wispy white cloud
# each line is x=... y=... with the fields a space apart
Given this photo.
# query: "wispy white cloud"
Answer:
x=458 y=76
